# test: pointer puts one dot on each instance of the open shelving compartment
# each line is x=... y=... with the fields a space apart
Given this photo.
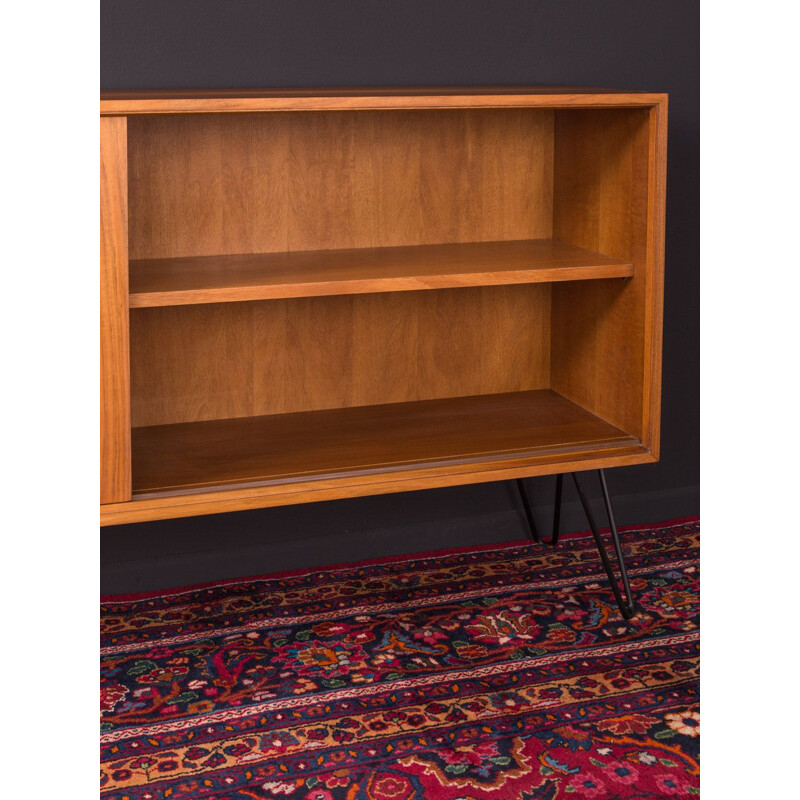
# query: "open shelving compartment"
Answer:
x=362 y=301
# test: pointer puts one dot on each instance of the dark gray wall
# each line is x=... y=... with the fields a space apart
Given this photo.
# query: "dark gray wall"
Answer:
x=620 y=44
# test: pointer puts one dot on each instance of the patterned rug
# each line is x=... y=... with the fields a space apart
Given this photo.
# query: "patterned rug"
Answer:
x=494 y=673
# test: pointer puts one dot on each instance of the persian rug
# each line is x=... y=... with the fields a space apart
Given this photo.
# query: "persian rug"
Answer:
x=502 y=672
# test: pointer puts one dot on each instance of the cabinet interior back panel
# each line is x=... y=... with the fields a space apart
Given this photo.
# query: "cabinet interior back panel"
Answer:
x=225 y=360
x=221 y=184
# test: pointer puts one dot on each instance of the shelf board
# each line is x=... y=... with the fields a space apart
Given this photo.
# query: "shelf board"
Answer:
x=265 y=276
x=186 y=457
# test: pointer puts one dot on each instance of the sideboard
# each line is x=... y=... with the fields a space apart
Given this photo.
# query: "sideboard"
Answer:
x=319 y=294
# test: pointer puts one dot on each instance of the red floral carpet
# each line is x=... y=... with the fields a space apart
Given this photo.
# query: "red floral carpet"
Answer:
x=496 y=673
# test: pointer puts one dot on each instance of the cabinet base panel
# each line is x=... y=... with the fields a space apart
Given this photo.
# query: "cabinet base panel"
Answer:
x=255 y=462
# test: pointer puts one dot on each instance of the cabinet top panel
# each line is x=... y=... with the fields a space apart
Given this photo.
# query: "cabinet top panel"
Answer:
x=186 y=101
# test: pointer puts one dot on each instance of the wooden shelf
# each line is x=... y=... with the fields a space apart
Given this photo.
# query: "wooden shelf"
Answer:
x=231 y=278
x=174 y=459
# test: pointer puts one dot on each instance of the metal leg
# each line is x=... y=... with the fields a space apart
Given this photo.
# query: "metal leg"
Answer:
x=557 y=510
x=528 y=513
x=626 y=606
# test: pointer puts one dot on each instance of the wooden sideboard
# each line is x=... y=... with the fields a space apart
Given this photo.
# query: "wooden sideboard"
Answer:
x=308 y=295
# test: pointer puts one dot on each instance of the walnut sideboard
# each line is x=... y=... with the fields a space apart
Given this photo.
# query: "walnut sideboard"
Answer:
x=308 y=295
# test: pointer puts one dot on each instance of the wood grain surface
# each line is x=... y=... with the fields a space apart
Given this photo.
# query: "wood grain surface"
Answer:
x=275 y=183
x=221 y=500
x=606 y=180
x=360 y=440
x=196 y=362
x=193 y=101
x=115 y=423
x=262 y=276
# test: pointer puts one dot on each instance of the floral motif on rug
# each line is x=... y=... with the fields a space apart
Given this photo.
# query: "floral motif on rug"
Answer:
x=500 y=673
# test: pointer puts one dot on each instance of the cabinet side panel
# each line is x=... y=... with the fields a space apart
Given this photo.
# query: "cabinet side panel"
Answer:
x=602 y=330
x=115 y=427
x=224 y=360
x=654 y=301
x=225 y=184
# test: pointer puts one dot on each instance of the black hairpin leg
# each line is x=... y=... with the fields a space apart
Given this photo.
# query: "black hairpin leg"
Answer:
x=528 y=513
x=553 y=540
x=626 y=606
x=557 y=510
